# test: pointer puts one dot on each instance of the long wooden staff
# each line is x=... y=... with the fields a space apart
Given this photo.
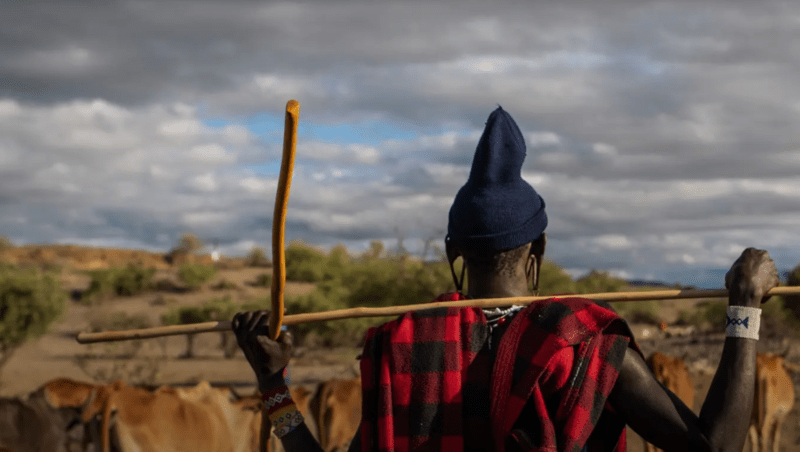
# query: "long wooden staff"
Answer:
x=279 y=217
x=350 y=313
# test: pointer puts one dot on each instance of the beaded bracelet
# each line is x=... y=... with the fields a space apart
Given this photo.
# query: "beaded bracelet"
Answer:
x=281 y=410
x=742 y=321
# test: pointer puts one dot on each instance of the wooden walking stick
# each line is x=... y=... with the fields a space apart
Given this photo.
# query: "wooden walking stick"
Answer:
x=278 y=233
x=350 y=313
x=279 y=217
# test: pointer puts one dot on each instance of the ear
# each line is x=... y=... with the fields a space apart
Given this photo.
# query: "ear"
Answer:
x=538 y=245
x=537 y=255
x=452 y=254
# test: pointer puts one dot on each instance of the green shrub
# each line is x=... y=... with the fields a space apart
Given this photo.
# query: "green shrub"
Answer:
x=365 y=281
x=183 y=315
x=193 y=275
x=133 y=280
x=128 y=281
x=224 y=284
x=792 y=302
x=639 y=312
x=599 y=282
x=30 y=301
x=213 y=310
x=553 y=280
x=216 y=309
x=708 y=315
x=257 y=258
x=189 y=244
x=257 y=304
x=264 y=280
x=119 y=321
x=778 y=318
x=304 y=263
x=161 y=300
x=165 y=285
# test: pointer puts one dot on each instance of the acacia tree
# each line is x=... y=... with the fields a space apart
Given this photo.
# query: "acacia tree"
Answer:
x=188 y=244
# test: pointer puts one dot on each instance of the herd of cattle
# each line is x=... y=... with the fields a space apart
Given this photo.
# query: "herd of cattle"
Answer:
x=66 y=415
x=69 y=416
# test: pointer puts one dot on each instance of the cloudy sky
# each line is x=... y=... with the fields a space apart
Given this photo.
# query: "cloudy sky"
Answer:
x=663 y=136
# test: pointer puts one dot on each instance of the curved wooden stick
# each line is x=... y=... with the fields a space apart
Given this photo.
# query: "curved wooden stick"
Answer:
x=85 y=338
x=279 y=217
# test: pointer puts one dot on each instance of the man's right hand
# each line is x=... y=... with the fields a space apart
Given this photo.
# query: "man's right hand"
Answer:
x=750 y=278
x=266 y=357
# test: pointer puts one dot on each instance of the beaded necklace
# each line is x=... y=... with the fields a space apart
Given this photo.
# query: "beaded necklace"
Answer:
x=498 y=317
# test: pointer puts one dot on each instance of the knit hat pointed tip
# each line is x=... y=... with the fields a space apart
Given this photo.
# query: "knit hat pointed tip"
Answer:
x=496 y=209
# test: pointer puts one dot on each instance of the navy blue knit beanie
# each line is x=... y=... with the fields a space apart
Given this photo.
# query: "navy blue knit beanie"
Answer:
x=496 y=209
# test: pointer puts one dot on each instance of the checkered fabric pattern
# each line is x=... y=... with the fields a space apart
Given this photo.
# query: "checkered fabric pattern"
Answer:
x=599 y=338
x=428 y=382
x=413 y=370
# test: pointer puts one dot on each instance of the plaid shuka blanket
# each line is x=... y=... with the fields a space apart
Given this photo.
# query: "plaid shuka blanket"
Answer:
x=413 y=370
x=599 y=337
x=428 y=385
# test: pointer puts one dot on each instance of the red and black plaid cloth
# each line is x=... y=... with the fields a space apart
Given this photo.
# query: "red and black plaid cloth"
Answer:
x=599 y=338
x=428 y=383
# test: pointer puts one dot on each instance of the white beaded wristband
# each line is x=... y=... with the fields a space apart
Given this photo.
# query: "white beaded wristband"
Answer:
x=742 y=321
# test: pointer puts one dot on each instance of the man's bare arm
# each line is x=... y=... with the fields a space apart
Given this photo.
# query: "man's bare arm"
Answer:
x=657 y=415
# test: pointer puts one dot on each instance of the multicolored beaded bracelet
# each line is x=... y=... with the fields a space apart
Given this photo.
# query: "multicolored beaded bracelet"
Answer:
x=281 y=410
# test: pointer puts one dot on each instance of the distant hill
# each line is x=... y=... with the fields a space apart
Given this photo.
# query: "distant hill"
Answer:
x=90 y=258
x=655 y=284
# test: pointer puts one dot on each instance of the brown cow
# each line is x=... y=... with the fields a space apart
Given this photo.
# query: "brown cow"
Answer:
x=159 y=420
x=774 y=399
x=339 y=414
x=672 y=373
x=45 y=421
x=70 y=397
x=66 y=393
x=247 y=429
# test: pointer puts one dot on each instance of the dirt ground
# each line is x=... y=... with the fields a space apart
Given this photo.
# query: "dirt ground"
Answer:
x=159 y=361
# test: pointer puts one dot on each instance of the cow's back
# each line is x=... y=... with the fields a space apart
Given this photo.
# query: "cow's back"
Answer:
x=160 y=420
x=339 y=412
x=774 y=398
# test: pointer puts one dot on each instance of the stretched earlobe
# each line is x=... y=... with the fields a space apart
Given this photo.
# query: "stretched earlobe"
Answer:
x=452 y=255
x=535 y=259
x=532 y=270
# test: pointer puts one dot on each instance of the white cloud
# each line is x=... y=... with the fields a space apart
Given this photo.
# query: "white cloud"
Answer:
x=258 y=185
x=212 y=153
x=604 y=149
x=205 y=182
x=535 y=139
x=659 y=138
